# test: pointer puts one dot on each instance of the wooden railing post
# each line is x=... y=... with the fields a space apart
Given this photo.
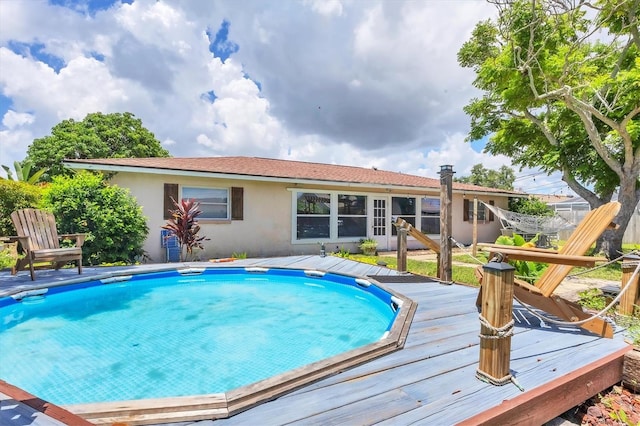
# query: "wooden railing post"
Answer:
x=630 y=297
x=402 y=249
x=474 y=249
x=446 y=190
x=496 y=322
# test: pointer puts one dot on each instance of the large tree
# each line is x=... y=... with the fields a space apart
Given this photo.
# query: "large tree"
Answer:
x=561 y=83
x=502 y=178
x=97 y=136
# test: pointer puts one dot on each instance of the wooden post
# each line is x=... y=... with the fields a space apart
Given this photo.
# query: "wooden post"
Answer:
x=446 y=191
x=475 y=226
x=402 y=249
x=630 y=297
x=496 y=323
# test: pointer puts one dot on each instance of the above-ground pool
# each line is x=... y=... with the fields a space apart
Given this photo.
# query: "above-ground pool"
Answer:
x=180 y=333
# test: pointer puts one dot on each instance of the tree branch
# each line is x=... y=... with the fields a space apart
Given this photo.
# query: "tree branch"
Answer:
x=579 y=189
x=542 y=126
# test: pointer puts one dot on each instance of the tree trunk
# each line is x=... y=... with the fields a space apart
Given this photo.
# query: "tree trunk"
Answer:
x=612 y=239
x=611 y=244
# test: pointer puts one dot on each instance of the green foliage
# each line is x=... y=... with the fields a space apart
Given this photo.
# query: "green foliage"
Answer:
x=110 y=216
x=184 y=225
x=97 y=136
x=631 y=325
x=526 y=270
x=239 y=255
x=502 y=178
x=23 y=172
x=592 y=298
x=620 y=416
x=343 y=252
x=15 y=195
x=368 y=246
x=532 y=206
x=7 y=257
x=560 y=84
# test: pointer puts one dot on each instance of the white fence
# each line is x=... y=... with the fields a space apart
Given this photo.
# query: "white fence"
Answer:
x=631 y=235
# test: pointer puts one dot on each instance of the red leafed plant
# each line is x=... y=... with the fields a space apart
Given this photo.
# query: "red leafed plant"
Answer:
x=184 y=226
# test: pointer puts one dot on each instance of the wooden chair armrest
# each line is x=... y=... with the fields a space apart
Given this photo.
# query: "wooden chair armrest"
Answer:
x=487 y=246
x=10 y=239
x=79 y=238
x=538 y=255
x=24 y=242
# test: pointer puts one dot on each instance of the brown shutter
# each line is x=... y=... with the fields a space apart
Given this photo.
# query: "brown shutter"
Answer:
x=237 y=203
x=465 y=210
x=170 y=190
x=491 y=218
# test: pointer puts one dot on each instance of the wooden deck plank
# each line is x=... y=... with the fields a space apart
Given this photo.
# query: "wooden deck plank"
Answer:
x=531 y=364
x=452 y=406
x=359 y=383
x=404 y=374
x=364 y=412
x=344 y=393
x=432 y=380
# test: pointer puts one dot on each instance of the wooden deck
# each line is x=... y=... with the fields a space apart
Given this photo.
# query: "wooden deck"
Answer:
x=432 y=379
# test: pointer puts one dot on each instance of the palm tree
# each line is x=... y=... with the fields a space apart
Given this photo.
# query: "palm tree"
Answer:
x=23 y=172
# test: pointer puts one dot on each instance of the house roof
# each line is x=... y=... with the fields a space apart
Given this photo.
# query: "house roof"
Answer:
x=272 y=169
x=552 y=198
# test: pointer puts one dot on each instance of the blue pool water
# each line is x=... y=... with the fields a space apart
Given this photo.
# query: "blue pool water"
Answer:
x=165 y=334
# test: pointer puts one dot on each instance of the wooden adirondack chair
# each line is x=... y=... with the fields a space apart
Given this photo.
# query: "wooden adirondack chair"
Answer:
x=540 y=294
x=40 y=241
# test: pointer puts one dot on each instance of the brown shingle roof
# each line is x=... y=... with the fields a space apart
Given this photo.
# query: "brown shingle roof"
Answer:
x=280 y=169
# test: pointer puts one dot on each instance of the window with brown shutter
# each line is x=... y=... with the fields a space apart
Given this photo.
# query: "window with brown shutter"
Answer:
x=237 y=203
x=170 y=191
x=491 y=216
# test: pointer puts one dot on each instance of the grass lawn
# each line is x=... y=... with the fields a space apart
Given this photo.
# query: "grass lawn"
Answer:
x=465 y=264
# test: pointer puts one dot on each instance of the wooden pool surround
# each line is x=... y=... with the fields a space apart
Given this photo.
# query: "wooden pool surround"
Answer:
x=223 y=405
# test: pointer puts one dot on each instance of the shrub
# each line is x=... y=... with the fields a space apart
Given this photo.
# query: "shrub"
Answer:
x=184 y=225
x=15 y=195
x=368 y=246
x=110 y=216
x=592 y=298
x=532 y=206
x=526 y=270
x=7 y=257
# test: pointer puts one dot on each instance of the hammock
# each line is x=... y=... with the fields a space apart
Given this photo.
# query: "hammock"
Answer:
x=529 y=224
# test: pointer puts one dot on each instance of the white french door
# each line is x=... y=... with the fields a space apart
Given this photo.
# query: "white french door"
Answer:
x=380 y=222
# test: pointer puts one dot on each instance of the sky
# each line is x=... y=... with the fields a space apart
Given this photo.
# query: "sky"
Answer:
x=352 y=82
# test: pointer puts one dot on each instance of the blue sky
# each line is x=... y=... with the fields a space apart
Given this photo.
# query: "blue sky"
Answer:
x=372 y=84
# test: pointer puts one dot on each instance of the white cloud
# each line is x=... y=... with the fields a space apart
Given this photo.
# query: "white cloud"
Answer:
x=13 y=144
x=362 y=83
x=327 y=7
x=12 y=119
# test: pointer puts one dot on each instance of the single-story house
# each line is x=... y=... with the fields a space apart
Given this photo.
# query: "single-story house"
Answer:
x=270 y=207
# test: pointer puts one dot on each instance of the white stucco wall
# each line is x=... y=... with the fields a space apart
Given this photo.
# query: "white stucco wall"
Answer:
x=487 y=231
x=267 y=224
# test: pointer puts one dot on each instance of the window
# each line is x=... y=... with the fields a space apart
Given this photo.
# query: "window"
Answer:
x=404 y=207
x=214 y=202
x=483 y=216
x=352 y=215
x=313 y=214
x=170 y=194
x=430 y=215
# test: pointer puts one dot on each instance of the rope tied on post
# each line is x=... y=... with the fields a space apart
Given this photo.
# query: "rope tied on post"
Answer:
x=488 y=378
x=497 y=332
